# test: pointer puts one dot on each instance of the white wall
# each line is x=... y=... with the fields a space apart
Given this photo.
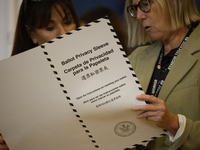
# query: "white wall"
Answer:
x=8 y=17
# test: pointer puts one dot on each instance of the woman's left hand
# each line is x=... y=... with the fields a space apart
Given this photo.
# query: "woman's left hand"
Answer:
x=3 y=145
x=158 y=113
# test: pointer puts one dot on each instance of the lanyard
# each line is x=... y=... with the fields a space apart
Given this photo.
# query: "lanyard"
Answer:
x=160 y=73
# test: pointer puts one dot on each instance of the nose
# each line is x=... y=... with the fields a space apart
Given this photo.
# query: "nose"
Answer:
x=62 y=30
x=140 y=14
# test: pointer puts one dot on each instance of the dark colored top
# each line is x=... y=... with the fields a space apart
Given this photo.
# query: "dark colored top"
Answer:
x=165 y=63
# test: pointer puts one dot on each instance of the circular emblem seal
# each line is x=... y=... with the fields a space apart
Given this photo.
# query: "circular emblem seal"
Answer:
x=125 y=128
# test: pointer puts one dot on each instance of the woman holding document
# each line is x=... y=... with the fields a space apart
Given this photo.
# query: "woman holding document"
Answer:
x=168 y=68
x=40 y=21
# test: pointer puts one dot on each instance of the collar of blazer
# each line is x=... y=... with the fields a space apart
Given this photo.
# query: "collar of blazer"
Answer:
x=184 y=62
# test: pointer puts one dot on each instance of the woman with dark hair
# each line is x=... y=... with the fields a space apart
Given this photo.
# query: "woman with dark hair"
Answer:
x=40 y=21
x=43 y=19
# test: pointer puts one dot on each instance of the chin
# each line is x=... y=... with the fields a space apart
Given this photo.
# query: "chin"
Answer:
x=156 y=37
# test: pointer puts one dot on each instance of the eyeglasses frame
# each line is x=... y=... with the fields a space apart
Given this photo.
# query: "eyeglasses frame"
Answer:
x=136 y=6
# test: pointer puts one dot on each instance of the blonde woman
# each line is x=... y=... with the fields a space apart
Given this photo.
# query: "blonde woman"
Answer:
x=168 y=68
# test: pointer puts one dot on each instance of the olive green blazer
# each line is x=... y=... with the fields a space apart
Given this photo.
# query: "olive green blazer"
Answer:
x=181 y=90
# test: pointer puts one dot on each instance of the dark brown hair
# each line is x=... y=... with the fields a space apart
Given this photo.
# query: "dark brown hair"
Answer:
x=37 y=14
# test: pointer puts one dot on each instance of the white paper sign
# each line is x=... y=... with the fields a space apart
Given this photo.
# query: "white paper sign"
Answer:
x=74 y=92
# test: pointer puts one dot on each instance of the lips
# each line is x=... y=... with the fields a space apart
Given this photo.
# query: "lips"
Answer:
x=147 y=27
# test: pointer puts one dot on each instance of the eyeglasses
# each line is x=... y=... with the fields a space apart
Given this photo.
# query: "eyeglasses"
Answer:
x=144 y=5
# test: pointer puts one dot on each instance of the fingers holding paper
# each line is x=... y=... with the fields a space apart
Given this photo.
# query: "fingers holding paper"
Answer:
x=3 y=145
x=157 y=112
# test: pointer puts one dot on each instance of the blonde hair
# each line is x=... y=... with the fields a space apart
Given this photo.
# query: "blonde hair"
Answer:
x=177 y=13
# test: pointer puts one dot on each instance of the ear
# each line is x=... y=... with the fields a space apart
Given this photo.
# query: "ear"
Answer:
x=31 y=34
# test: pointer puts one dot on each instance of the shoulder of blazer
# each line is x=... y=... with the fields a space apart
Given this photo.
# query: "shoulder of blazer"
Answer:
x=193 y=43
x=146 y=50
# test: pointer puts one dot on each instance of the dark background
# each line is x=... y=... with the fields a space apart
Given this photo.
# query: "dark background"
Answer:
x=198 y=4
x=82 y=6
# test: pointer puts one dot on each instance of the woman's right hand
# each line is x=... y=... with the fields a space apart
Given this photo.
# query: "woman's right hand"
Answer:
x=3 y=145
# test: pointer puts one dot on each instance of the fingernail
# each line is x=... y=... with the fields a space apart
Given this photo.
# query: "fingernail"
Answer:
x=133 y=108
x=138 y=96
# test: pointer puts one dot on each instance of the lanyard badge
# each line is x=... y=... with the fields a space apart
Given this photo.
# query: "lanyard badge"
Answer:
x=160 y=73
